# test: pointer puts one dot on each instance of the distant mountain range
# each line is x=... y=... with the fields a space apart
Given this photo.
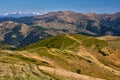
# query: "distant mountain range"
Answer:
x=26 y=30
x=19 y=14
x=68 y=54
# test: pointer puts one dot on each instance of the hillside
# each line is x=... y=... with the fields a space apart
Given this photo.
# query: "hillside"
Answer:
x=54 y=23
x=15 y=34
x=63 y=57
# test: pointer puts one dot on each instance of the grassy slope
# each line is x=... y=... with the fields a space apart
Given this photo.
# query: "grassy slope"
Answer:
x=74 y=53
x=63 y=42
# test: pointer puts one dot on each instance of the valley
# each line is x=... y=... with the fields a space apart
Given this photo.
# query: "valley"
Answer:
x=23 y=31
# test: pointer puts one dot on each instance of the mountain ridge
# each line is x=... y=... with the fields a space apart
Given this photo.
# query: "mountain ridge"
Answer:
x=63 y=22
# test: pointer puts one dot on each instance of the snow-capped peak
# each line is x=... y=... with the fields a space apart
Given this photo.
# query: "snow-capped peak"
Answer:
x=20 y=14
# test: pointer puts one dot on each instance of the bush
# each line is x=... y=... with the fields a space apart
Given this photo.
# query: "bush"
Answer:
x=78 y=71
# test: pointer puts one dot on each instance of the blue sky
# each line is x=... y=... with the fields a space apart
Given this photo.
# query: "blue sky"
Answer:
x=99 y=6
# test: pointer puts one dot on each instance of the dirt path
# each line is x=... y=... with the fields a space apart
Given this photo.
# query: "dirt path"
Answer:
x=67 y=75
x=74 y=39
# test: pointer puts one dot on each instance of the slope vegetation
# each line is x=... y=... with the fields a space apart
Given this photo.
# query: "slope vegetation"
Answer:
x=63 y=57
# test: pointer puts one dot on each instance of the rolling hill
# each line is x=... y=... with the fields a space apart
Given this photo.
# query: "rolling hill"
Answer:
x=64 y=57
